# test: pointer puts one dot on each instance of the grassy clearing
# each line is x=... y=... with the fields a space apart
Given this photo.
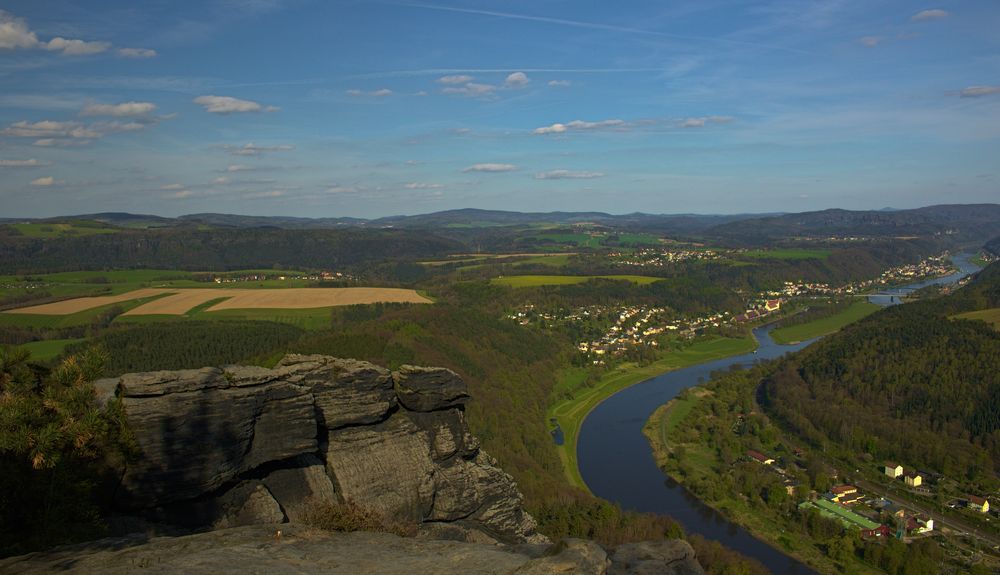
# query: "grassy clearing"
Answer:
x=309 y=319
x=553 y=260
x=535 y=280
x=570 y=413
x=636 y=240
x=48 y=349
x=64 y=229
x=788 y=254
x=990 y=316
x=824 y=326
x=578 y=240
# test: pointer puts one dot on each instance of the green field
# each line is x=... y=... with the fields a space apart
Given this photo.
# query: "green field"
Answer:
x=824 y=326
x=535 y=281
x=88 y=283
x=788 y=254
x=578 y=240
x=635 y=240
x=48 y=349
x=570 y=413
x=63 y=229
x=990 y=316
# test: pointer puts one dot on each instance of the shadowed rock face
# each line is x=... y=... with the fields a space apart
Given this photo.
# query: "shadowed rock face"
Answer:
x=245 y=445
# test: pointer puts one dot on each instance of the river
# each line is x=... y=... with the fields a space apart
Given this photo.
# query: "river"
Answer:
x=617 y=462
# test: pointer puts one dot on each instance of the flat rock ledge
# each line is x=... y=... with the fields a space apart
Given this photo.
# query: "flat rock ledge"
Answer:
x=292 y=548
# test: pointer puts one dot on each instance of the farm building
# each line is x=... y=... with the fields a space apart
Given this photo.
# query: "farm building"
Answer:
x=849 y=518
x=759 y=457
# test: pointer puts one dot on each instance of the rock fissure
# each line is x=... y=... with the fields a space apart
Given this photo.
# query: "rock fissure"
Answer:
x=249 y=445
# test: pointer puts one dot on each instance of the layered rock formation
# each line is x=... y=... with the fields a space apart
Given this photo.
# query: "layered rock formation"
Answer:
x=246 y=445
x=300 y=550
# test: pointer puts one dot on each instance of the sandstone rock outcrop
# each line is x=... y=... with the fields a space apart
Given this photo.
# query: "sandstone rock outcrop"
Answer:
x=243 y=445
x=300 y=550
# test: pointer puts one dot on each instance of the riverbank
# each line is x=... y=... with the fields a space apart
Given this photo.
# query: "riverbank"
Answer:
x=825 y=325
x=697 y=466
x=570 y=413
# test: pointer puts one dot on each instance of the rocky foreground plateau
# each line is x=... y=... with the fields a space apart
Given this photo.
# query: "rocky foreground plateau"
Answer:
x=239 y=456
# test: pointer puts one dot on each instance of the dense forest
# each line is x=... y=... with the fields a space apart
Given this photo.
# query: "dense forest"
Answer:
x=216 y=249
x=910 y=382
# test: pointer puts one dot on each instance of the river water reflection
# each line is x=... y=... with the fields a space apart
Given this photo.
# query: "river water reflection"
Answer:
x=617 y=462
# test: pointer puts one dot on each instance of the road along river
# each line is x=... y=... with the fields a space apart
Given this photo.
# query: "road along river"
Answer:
x=617 y=462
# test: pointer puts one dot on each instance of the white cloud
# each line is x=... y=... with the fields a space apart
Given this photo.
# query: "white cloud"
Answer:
x=380 y=93
x=925 y=15
x=230 y=105
x=48 y=129
x=567 y=175
x=422 y=186
x=238 y=168
x=471 y=89
x=492 y=168
x=31 y=163
x=59 y=143
x=138 y=53
x=870 y=41
x=270 y=194
x=173 y=187
x=979 y=91
x=45 y=182
x=220 y=181
x=181 y=194
x=455 y=79
x=339 y=189
x=703 y=121
x=70 y=47
x=123 y=109
x=516 y=80
x=560 y=83
x=15 y=35
x=553 y=129
x=579 y=125
x=252 y=149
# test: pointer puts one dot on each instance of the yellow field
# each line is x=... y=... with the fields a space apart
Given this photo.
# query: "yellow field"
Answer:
x=301 y=298
x=76 y=305
x=180 y=301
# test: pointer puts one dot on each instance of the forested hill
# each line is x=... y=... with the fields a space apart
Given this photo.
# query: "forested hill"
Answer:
x=217 y=249
x=962 y=223
x=911 y=383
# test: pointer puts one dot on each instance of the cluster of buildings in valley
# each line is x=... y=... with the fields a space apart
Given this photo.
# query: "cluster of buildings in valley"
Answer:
x=934 y=266
x=627 y=326
x=872 y=515
x=660 y=257
x=262 y=276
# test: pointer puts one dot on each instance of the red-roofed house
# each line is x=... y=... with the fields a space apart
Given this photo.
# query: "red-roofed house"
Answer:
x=759 y=457
x=980 y=504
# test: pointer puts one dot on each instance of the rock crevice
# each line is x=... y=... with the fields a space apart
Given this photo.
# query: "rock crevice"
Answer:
x=344 y=430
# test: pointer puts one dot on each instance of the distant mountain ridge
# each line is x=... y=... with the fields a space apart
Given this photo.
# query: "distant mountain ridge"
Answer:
x=964 y=221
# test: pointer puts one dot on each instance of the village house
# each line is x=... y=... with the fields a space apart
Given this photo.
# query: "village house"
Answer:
x=759 y=457
x=845 y=494
x=893 y=469
x=913 y=479
x=980 y=504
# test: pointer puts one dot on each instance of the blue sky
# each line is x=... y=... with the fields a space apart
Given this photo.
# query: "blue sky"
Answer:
x=368 y=108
